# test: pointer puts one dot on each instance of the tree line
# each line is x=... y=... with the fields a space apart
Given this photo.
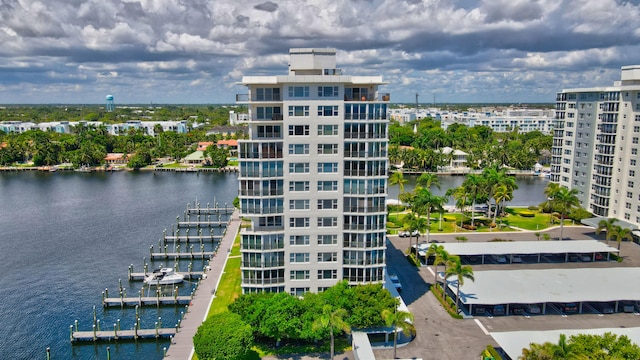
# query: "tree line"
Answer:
x=418 y=146
x=88 y=145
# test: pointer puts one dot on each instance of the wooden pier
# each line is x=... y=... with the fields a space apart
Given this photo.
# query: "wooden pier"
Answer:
x=183 y=255
x=122 y=334
x=186 y=224
x=192 y=238
x=211 y=210
x=189 y=275
x=146 y=301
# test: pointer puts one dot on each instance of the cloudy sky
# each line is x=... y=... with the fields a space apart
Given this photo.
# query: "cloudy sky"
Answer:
x=195 y=51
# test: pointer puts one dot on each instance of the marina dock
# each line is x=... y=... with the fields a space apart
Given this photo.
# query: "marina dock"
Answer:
x=183 y=255
x=146 y=301
x=192 y=238
x=122 y=334
x=186 y=224
x=189 y=275
x=228 y=210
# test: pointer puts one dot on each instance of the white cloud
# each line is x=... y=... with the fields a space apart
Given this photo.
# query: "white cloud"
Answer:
x=463 y=50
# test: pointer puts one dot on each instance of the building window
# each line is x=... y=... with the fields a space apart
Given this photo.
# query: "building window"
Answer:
x=328 y=91
x=327 y=221
x=634 y=151
x=327 y=130
x=268 y=113
x=299 y=274
x=298 y=91
x=629 y=194
x=327 y=186
x=627 y=216
x=298 y=149
x=299 y=257
x=327 y=257
x=298 y=186
x=301 y=222
x=298 y=168
x=299 y=204
x=327 y=149
x=268 y=94
x=634 y=140
x=299 y=110
x=627 y=206
x=327 y=274
x=630 y=184
x=325 y=204
x=327 y=110
x=327 y=239
x=632 y=162
x=298 y=240
x=299 y=291
x=327 y=167
x=632 y=173
x=298 y=130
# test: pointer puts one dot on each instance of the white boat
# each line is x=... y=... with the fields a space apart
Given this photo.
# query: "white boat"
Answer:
x=163 y=276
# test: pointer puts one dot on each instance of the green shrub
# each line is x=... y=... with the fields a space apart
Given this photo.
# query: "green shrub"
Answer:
x=437 y=292
x=493 y=352
x=413 y=260
x=527 y=214
x=391 y=225
x=223 y=336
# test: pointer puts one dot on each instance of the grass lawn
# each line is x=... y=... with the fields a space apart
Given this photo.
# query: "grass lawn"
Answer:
x=229 y=288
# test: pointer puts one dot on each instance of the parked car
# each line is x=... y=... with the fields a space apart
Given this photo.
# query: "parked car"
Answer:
x=404 y=234
x=585 y=257
x=599 y=257
x=628 y=307
x=516 y=259
x=570 y=308
x=517 y=309
x=500 y=259
x=533 y=309
x=479 y=310
x=605 y=308
x=396 y=282
x=498 y=310
x=573 y=257
x=415 y=233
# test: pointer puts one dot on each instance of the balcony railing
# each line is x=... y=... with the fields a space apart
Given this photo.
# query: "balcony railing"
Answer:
x=279 y=280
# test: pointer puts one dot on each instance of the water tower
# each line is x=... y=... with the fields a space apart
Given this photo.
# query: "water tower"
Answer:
x=110 y=105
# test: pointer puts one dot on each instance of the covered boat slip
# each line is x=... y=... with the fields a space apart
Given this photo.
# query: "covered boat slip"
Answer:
x=512 y=342
x=525 y=251
x=557 y=291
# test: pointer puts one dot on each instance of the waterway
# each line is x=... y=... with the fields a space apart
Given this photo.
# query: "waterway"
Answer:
x=66 y=236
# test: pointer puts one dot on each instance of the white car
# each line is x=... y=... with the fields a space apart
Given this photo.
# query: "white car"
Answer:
x=516 y=259
x=396 y=282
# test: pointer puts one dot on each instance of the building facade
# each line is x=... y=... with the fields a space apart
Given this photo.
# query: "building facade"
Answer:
x=313 y=177
x=595 y=146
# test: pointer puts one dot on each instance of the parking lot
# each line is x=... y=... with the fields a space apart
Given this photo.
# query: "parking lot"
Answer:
x=441 y=337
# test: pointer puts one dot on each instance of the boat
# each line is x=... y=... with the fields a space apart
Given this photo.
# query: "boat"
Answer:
x=163 y=276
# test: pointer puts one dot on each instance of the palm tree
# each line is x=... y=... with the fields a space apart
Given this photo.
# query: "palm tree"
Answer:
x=462 y=198
x=563 y=201
x=461 y=272
x=619 y=233
x=537 y=235
x=501 y=193
x=397 y=178
x=443 y=257
x=426 y=202
x=418 y=224
x=538 y=352
x=427 y=180
x=473 y=185
x=399 y=320
x=333 y=320
x=606 y=225
x=434 y=250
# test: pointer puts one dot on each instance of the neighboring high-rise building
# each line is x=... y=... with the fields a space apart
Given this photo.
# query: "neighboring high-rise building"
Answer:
x=313 y=177
x=595 y=146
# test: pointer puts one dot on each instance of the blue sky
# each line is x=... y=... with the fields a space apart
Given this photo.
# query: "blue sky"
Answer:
x=195 y=51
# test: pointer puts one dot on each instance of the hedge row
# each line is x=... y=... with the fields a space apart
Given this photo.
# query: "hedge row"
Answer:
x=437 y=292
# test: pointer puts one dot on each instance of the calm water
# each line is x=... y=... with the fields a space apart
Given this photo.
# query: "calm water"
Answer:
x=530 y=189
x=65 y=237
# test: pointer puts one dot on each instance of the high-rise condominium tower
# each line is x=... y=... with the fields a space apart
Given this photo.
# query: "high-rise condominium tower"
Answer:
x=595 y=146
x=313 y=177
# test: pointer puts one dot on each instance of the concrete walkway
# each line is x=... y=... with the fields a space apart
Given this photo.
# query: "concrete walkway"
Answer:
x=182 y=344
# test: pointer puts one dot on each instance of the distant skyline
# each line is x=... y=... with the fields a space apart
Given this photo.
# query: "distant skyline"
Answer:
x=195 y=51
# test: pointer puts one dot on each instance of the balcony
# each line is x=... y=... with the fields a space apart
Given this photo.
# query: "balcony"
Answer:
x=245 y=98
x=279 y=280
